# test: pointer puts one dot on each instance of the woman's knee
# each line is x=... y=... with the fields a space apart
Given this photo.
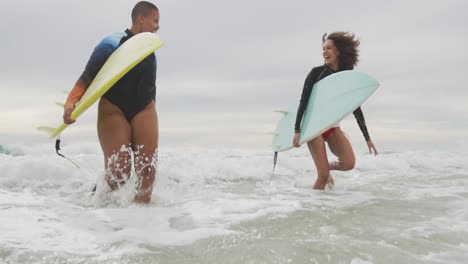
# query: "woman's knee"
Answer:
x=348 y=164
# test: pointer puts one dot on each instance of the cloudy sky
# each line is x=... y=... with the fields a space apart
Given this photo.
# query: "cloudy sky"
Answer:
x=227 y=64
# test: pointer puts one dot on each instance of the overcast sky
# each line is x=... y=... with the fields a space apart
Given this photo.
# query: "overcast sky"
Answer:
x=227 y=64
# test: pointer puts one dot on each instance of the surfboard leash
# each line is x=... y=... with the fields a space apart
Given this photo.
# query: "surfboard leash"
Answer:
x=57 y=148
x=275 y=159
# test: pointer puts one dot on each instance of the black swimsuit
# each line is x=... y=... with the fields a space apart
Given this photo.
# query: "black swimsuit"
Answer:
x=136 y=89
x=317 y=74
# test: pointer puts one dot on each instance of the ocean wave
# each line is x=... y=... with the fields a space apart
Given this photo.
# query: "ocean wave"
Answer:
x=212 y=193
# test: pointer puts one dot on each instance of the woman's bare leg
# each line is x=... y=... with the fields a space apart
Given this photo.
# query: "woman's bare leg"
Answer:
x=114 y=132
x=341 y=148
x=319 y=155
x=145 y=145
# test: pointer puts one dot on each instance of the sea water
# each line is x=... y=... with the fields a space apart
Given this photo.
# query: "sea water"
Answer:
x=221 y=205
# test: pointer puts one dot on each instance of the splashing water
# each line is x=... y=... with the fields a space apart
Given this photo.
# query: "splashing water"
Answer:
x=222 y=204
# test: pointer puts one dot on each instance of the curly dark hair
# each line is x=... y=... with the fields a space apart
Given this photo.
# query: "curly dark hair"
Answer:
x=347 y=46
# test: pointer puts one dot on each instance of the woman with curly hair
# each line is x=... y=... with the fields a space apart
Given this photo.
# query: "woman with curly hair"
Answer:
x=340 y=52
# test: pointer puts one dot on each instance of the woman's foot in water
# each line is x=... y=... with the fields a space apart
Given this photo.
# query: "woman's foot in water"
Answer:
x=331 y=182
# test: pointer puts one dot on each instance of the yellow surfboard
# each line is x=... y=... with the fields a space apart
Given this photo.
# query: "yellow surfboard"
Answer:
x=117 y=65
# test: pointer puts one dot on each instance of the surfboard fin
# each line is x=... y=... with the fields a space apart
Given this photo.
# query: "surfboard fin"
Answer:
x=284 y=112
x=47 y=129
x=275 y=159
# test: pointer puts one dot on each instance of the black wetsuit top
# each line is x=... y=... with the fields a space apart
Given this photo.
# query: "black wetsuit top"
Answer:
x=136 y=89
x=315 y=75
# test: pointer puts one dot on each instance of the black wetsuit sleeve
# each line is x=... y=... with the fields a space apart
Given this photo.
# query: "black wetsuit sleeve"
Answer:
x=306 y=91
x=362 y=123
x=99 y=56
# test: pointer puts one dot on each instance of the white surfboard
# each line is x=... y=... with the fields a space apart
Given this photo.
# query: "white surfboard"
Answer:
x=331 y=100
